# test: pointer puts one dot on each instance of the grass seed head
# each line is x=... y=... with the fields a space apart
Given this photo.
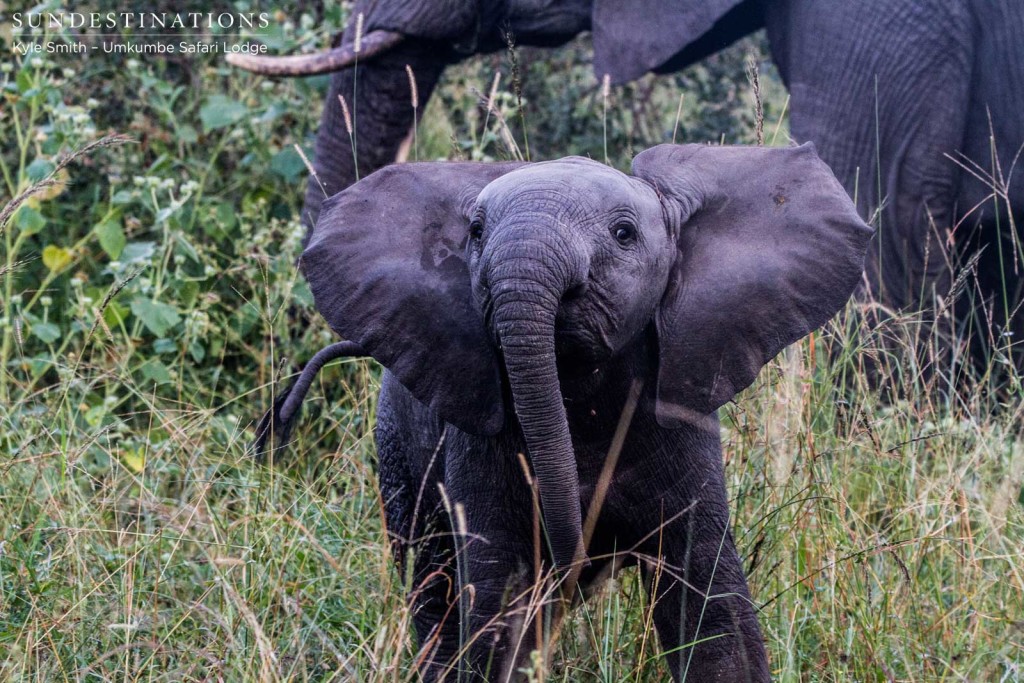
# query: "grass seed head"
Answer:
x=413 y=92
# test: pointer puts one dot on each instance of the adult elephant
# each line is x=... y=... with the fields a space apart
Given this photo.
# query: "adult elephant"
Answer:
x=915 y=104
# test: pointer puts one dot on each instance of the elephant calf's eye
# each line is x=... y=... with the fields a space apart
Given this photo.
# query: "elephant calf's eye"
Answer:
x=476 y=229
x=625 y=233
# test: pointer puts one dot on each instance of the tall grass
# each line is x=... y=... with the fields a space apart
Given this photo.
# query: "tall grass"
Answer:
x=883 y=541
x=139 y=542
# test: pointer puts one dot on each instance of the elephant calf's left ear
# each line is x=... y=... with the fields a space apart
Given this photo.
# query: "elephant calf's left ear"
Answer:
x=386 y=265
x=769 y=248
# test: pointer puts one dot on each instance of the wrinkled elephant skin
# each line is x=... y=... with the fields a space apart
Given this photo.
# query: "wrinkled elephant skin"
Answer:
x=521 y=310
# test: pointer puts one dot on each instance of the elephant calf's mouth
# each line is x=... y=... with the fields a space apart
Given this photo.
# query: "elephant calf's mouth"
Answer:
x=579 y=352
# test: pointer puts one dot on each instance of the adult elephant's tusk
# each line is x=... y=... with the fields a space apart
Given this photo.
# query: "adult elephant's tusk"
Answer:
x=335 y=59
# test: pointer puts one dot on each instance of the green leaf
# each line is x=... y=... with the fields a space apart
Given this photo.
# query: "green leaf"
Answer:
x=220 y=112
x=274 y=112
x=187 y=134
x=136 y=252
x=134 y=459
x=185 y=247
x=187 y=291
x=94 y=416
x=24 y=80
x=156 y=372
x=221 y=223
x=288 y=164
x=165 y=213
x=165 y=346
x=39 y=169
x=226 y=215
x=302 y=294
x=47 y=332
x=158 y=317
x=122 y=197
x=30 y=221
x=115 y=314
x=243 y=320
x=111 y=237
x=56 y=258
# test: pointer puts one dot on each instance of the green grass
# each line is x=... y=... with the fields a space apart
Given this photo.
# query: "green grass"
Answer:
x=149 y=304
x=885 y=544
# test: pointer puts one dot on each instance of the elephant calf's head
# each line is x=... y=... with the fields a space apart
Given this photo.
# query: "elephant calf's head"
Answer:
x=444 y=272
x=579 y=240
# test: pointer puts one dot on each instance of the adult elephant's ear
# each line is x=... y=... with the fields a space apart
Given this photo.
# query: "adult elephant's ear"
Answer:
x=386 y=265
x=632 y=37
x=769 y=248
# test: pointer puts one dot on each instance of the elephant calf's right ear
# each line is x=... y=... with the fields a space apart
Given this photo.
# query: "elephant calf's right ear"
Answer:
x=386 y=265
x=769 y=248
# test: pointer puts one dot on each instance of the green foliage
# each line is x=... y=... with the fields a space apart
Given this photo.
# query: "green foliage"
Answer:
x=149 y=298
x=565 y=112
x=220 y=112
x=111 y=236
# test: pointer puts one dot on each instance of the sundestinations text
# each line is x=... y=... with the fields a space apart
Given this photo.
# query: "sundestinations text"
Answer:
x=140 y=20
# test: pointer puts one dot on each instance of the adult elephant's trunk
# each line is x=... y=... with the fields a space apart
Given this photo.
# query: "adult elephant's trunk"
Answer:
x=381 y=108
x=524 y=308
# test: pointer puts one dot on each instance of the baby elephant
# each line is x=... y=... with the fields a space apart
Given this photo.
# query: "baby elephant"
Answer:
x=557 y=338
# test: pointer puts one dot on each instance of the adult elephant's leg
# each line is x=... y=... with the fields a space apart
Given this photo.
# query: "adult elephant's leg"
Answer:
x=863 y=85
x=379 y=99
x=990 y=310
x=994 y=192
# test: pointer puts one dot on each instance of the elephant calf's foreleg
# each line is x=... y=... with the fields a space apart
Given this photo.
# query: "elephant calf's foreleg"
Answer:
x=705 y=620
x=703 y=612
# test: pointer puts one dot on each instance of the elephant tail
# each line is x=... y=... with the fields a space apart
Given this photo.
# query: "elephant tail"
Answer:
x=276 y=424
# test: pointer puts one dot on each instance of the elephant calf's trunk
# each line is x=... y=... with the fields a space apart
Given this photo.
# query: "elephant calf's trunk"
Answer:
x=525 y=323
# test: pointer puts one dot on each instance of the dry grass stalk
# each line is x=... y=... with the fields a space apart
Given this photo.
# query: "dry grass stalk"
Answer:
x=310 y=167
x=494 y=89
x=491 y=97
x=782 y=117
x=755 y=81
x=12 y=206
x=113 y=292
x=106 y=141
x=358 y=43
x=51 y=180
x=350 y=128
x=413 y=92
x=606 y=91
x=14 y=266
x=506 y=133
x=414 y=98
x=679 y=115
x=517 y=89
x=346 y=115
